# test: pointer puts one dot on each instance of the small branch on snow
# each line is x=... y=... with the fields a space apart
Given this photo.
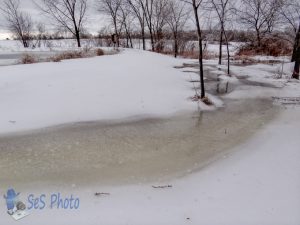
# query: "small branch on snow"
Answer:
x=101 y=194
x=161 y=187
x=287 y=100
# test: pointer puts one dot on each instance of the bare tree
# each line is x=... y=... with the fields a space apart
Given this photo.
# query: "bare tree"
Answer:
x=223 y=9
x=196 y=6
x=260 y=15
x=126 y=21
x=69 y=14
x=160 y=15
x=112 y=8
x=290 y=13
x=140 y=15
x=176 y=20
x=19 y=23
x=148 y=12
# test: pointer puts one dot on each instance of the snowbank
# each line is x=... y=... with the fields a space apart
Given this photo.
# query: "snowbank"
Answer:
x=132 y=83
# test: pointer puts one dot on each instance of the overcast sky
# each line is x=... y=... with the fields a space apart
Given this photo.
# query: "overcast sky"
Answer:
x=94 y=24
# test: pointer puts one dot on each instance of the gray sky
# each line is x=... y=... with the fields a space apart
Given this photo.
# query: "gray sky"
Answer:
x=94 y=24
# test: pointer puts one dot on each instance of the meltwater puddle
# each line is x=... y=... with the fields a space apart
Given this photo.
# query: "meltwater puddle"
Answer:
x=129 y=152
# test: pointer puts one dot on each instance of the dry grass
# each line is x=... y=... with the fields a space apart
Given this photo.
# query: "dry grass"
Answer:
x=249 y=60
x=205 y=100
x=85 y=53
x=67 y=55
x=28 y=59
x=269 y=46
x=99 y=52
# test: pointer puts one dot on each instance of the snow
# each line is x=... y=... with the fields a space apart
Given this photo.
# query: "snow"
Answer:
x=264 y=81
x=257 y=184
x=215 y=48
x=132 y=83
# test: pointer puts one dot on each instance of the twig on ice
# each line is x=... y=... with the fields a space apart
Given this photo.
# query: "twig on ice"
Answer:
x=165 y=186
x=100 y=194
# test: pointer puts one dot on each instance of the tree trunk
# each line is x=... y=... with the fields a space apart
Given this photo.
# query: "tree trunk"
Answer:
x=127 y=41
x=296 y=55
x=175 y=47
x=127 y=35
x=143 y=32
x=25 y=44
x=152 y=40
x=78 y=39
x=258 y=38
x=228 y=53
x=296 y=69
x=200 y=49
x=143 y=38
x=116 y=33
x=130 y=39
x=221 y=45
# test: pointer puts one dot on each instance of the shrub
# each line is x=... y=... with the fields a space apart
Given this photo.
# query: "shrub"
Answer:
x=28 y=59
x=67 y=55
x=99 y=52
x=85 y=53
x=270 y=46
x=195 y=54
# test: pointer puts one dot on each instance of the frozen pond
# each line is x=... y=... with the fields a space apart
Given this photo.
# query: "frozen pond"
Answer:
x=116 y=152
x=13 y=58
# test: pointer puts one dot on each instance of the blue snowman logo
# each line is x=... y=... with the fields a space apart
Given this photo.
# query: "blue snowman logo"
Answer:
x=15 y=208
x=11 y=200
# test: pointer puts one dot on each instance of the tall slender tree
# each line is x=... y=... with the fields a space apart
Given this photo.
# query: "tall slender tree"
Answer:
x=140 y=15
x=148 y=9
x=113 y=9
x=126 y=21
x=177 y=18
x=223 y=10
x=196 y=7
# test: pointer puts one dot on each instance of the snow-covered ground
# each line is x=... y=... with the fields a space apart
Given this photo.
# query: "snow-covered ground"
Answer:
x=258 y=183
x=132 y=83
